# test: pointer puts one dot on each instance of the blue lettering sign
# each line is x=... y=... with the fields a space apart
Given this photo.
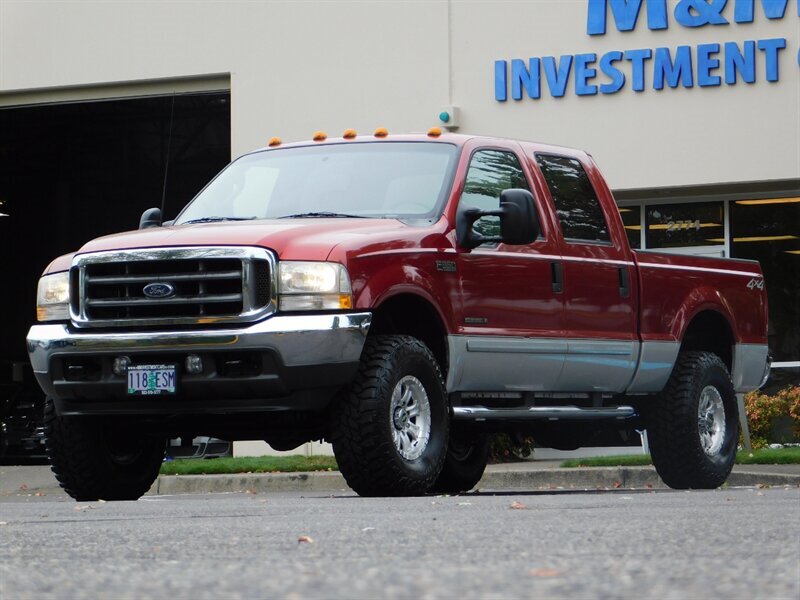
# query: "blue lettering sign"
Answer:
x=583 y=73
x=689 y=13
x=696 y=13
x=607 y=67
x=500 y=85
x=626 y=14
x=522 y=77
x=638 y=58
x=738 y=62
x=774 y=9
x=557 y=78
x=664 y=68
x=770 y=48
x=706 y=63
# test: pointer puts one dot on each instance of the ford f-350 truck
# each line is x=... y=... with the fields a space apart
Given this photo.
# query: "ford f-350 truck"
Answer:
x=399 y=296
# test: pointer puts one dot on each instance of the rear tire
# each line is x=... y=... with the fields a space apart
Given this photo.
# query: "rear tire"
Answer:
x=95 y=459
x=693 y=426
x=390 y=430
x=467 y=455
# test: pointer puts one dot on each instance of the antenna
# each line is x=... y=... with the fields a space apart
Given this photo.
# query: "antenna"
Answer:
x=166 y=161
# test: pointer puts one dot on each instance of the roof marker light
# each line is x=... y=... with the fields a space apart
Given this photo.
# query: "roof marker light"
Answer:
x=320 y=136
x=274 y=141
x=349 y=134
x=434 y=132
x=381 y=132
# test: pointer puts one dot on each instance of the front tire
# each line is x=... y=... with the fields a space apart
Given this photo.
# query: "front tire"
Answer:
x=95 y=459
x=390 y=430
x=693 y=428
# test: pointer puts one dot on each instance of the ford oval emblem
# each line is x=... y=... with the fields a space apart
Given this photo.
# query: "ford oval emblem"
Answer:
x=159 y=290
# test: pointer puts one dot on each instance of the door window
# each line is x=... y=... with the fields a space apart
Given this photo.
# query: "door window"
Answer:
x=577 y=206
x=491 y=172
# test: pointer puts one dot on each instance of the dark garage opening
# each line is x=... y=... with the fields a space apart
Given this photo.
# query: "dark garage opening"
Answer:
x=73 y=172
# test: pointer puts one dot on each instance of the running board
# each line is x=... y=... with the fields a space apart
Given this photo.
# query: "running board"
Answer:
x=552 y=413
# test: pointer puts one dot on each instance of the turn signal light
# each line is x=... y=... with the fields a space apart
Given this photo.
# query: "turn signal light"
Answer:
x=320 y=136
x=381 y=132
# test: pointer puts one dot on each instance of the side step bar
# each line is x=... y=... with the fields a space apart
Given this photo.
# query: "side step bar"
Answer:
x=476 y=413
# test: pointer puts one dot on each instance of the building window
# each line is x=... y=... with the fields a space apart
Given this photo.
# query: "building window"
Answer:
x=769 y=231
x=575 y=200
x=699 y=226
x=632 y=221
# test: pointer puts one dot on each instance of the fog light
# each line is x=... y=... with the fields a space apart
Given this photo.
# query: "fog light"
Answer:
x=121 y=364
x=194 y=364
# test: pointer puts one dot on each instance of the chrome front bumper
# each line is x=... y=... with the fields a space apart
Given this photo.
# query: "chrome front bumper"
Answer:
x=309 y=351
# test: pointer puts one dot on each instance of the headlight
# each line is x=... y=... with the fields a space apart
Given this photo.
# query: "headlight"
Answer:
x=313 y=286
x=52 y=297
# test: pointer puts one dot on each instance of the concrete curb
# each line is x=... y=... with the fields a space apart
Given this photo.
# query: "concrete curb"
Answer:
x=498 y=479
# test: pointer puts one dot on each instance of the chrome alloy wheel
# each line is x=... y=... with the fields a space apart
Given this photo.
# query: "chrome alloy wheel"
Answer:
x=711 y=420
x=410 y=415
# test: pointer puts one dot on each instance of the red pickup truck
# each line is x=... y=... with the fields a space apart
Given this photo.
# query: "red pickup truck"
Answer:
x=401 y=297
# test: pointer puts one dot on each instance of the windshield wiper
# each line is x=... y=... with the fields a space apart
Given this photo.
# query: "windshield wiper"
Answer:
x=322 y=215
x=217 y=219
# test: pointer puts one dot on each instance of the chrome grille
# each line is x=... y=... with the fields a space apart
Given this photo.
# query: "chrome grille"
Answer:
x=199 y=285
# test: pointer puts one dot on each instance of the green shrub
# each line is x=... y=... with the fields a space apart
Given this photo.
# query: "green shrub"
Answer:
x=765 y=414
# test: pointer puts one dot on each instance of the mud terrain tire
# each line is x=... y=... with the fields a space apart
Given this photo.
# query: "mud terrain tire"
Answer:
x=390 y=429
x=693 y=426
x=93 y=459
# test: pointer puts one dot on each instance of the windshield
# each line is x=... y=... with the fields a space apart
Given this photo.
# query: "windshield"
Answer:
x=406 y=180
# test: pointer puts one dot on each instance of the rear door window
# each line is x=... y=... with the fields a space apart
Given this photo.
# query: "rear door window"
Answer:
x=579 y=211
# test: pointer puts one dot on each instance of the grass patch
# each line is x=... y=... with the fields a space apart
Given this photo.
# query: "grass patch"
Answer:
x=764 y=456
x=249 y=464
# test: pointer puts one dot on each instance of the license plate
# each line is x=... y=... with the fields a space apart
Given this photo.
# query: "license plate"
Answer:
x=151 y=380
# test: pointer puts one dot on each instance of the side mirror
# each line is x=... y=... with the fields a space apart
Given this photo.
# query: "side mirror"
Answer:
x=519 y=221
x=150 y=218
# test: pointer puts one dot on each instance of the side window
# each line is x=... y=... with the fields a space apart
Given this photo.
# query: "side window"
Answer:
x=491 y=172
x=577 y=206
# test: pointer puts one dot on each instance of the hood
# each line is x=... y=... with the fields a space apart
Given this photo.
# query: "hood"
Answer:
x=307 y=239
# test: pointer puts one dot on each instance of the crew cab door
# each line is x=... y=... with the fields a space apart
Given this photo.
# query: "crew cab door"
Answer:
x=510 y=335
x=600 y=291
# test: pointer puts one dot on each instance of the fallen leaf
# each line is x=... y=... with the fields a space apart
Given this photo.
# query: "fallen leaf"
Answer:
x=518 y=506
x=251 y=492
x=729 y=499
x=40 y=494
x=545 y=572
x=617 y=485
x=368 y=529
x=305 y=539
x=24 y=486
x=649 y=486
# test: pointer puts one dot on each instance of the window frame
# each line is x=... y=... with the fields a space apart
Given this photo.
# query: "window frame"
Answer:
x=570 y=240
x=529 y=179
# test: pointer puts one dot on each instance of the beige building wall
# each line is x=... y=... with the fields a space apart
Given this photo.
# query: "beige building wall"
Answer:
x=295 y=67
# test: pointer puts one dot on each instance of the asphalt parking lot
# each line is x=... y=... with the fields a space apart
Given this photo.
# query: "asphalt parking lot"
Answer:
x=733 y=543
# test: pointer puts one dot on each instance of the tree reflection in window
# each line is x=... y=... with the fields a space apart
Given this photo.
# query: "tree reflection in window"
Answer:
x=576 y=202
x=491 y=172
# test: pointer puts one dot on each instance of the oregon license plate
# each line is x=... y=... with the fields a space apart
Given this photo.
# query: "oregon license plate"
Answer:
x=151 y=380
